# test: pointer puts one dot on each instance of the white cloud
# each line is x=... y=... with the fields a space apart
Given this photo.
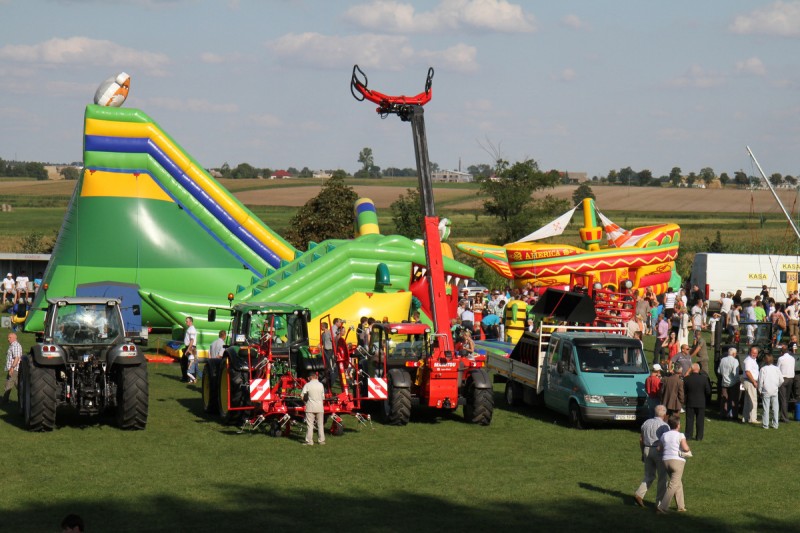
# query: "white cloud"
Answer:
x=699 y=78
x=191 y=104
x=324 y=51
x=752 y=66
x=267 y=120
x=565 y=75
x=779 y=18
x=85 y=51
x=369 y=50
x=398 y=17
x=574 y=22
x=458 y=58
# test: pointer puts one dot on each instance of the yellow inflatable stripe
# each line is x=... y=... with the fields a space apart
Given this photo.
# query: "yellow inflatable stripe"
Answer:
x=222 y=197
x=369 y=229
x=102 y=183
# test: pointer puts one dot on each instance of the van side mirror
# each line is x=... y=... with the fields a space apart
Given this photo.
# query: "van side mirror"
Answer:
x=560 y=367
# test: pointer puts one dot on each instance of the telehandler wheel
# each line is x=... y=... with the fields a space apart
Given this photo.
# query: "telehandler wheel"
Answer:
x=480 y=405
x=210 y=396
x=575 y=418
x=37 y=396
x=397 y=407
x=132 y=396
x=230 y=384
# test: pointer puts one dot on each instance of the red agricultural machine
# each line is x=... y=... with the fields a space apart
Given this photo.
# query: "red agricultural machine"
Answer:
x=443 y=379
x=259 y=378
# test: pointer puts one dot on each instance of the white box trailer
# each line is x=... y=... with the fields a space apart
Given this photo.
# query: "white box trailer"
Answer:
x=714 y=273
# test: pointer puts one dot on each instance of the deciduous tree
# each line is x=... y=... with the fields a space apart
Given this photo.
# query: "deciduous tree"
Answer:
x=407 y=214
x=329 y=215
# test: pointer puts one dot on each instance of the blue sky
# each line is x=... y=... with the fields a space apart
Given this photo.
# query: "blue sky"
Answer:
x=577 y=85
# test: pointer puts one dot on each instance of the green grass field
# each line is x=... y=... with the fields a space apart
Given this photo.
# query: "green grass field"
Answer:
x=526 y=471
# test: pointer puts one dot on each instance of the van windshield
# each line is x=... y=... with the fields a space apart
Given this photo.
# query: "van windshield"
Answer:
x=611 y=359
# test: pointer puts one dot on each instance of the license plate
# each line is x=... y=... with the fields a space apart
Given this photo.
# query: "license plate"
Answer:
x=624 y=417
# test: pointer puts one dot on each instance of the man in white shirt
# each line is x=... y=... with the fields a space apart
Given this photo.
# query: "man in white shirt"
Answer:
x=697 y=315
x=9 y=288
x=786 y=364
x=769 y=381
x=729 y=392
x=750 y=379
x=217 y=347
x=190 y=352
x=22 y=287
x=725 y=306
x=669 y=303
x=794 y=318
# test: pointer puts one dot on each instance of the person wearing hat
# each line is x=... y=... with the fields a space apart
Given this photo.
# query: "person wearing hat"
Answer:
x=8 y=288
x=652 y=386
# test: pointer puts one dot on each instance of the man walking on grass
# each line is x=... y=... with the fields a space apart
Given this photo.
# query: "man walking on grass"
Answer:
x=651 y=433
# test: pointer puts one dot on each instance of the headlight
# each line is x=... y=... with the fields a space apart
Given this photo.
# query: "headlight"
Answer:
x=589 y=398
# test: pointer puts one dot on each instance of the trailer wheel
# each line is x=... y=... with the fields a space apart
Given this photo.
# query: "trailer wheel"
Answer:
x=575 y=418
x=479 y=406
x=38 y=396
x=132 y=396
x=275 y=429
x=397 y=407
x=210 y=396
x=230 y=384
x=513 y=393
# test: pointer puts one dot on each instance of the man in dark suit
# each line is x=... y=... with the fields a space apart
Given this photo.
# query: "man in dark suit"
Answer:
x=696 y=389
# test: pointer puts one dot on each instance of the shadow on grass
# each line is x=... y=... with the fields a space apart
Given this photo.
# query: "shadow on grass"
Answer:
x=65 y=417
x=292 y=508
x=543 y=414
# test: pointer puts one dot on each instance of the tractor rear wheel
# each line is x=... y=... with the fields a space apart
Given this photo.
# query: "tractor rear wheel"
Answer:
x=397 y=407
x=210 y=396
x=38 y=396
x=132 y=396
x=480 y=405
x=230 y=388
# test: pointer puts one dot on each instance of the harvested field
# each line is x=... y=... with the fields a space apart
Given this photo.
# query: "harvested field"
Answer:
x=298 y=196
x=653 y=199
x=648 y=199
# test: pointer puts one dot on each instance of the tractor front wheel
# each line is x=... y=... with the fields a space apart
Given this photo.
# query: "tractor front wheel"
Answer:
x=397 y=407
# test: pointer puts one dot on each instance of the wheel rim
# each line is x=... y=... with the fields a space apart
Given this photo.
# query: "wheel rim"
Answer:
x=224 y=384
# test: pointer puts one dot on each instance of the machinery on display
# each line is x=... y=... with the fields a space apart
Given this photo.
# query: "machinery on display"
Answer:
x=83 y=360
x=259 y=378
x=445 y=379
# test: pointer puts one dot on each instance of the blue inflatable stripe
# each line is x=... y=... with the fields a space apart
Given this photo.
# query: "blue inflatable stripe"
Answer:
x=98 y=143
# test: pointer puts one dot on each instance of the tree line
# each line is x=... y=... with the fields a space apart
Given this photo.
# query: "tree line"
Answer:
x=644 y=178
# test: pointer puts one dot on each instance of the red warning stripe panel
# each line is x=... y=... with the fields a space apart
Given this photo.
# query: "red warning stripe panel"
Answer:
x=377 y=389
x=259 y=390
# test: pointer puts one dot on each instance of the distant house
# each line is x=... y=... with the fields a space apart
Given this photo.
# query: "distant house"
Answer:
x=321 y=174
x=452 y=176
x=573 y=178
x=280 y=175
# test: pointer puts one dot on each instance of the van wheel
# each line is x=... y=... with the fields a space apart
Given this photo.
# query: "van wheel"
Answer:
x=575 y=418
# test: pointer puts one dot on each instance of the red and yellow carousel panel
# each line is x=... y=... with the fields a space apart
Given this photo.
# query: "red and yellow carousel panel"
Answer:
x=644 y=256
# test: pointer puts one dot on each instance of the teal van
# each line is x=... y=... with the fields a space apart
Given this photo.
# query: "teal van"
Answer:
x=595 y=378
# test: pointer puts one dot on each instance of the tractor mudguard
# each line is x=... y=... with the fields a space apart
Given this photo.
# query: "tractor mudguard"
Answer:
x=400 y=378
x=480 y=378
x=57 y=358
x=117 y=356
x=238 y=357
